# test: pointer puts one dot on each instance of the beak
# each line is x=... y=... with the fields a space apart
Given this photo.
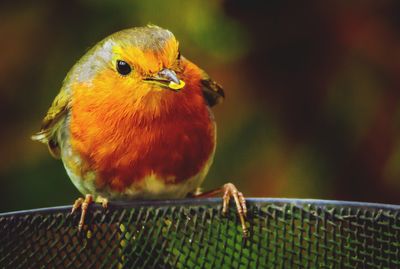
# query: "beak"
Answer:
x=166 y=78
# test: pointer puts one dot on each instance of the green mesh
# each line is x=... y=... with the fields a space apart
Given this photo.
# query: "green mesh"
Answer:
x=190 y=233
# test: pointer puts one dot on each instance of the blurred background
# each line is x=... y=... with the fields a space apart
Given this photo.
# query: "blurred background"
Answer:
x=312 y=91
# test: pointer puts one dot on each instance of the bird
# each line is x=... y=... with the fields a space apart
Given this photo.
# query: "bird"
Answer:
x=133 y=121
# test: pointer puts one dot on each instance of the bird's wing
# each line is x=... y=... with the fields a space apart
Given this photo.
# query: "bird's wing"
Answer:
x=52 y=121
x=212 y=91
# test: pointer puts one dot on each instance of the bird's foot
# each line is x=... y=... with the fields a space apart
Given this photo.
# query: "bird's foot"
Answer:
x=84 y=203
x=229 y=190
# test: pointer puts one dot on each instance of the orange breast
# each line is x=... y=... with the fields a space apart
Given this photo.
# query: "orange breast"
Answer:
x=169 y=134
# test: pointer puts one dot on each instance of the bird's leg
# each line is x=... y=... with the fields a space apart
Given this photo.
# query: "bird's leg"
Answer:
x=84 y=205
x=229 y=190
x=77 y=204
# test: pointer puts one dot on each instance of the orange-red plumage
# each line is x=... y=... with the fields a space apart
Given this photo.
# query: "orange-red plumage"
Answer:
x=169 y=134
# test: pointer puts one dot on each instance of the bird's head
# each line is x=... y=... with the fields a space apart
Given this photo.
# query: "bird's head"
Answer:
x=140 y=67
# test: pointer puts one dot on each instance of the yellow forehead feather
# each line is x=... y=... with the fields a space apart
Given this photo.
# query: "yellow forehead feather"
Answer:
x=149 y=60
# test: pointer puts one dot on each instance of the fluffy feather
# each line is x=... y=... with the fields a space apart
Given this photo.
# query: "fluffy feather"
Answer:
x=117 y=134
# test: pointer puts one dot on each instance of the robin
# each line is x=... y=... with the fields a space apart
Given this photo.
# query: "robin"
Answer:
x=133 y=121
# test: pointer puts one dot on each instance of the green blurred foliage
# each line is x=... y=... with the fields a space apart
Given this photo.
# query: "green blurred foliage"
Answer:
x=312 y=91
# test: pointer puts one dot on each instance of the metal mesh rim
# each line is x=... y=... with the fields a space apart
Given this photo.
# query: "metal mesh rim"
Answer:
x=191 y=233
x=212 y=201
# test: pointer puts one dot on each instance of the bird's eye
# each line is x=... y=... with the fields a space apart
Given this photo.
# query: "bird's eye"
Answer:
x=123 y=67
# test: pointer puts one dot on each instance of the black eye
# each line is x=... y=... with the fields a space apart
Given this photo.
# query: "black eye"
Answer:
x=123 y=67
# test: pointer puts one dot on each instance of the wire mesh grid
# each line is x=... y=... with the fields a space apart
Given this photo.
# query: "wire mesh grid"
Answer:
x=191 y=233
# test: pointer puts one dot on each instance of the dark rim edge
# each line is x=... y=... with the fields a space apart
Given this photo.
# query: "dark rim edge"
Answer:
x=209 y=201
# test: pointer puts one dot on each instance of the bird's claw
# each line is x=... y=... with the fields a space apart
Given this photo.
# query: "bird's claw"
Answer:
x=77 y=204
x=103 y=201
x=231 y=191
x=84 y=203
